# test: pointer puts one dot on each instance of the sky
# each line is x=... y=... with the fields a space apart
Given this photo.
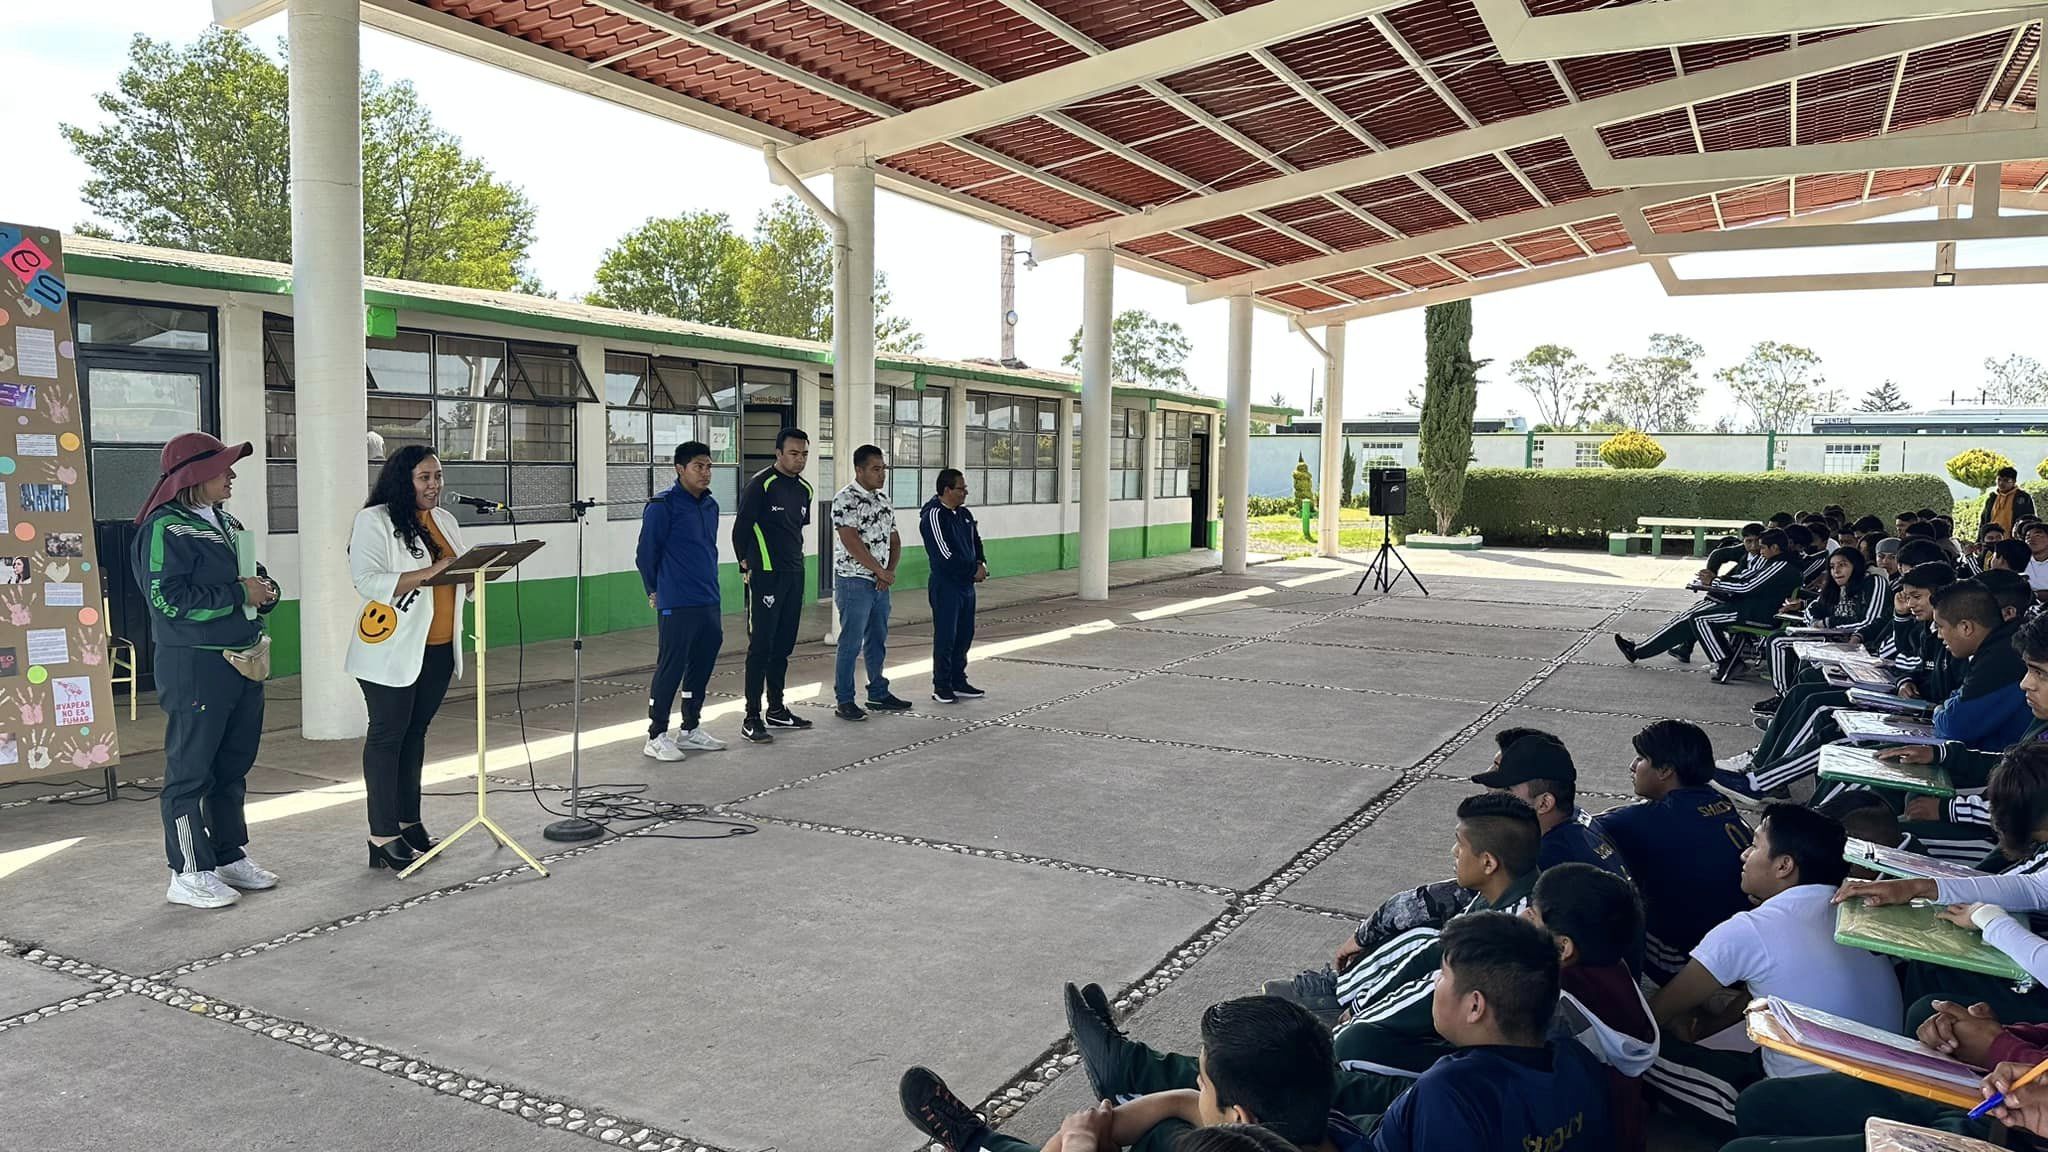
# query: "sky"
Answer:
x=594 y=171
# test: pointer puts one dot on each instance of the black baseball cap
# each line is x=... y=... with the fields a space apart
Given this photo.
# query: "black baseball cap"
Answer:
x=1534 y=757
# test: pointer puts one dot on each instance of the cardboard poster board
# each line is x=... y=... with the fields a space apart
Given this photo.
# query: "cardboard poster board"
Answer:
x=56 y=695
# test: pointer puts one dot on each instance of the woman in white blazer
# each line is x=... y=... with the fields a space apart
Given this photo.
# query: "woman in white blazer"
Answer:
x=407 y=641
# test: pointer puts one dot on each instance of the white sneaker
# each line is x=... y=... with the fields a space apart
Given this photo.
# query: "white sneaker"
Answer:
x=663 y=747
x=1736 y=763
x=696 y=738
x=247 y=875
x=200 y=890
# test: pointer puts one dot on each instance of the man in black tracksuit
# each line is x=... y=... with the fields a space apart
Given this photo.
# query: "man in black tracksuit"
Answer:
x=768 y=538
x=952 y=544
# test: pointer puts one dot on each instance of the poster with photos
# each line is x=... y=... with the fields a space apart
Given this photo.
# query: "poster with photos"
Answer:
x=56 y=694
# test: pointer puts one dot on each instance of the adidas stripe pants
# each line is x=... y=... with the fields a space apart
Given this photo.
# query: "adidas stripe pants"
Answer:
x=214 y=724
x=1825 y=1113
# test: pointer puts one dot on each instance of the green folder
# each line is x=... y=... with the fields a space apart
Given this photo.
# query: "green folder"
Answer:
x=1861 y=766
x=1916 y=932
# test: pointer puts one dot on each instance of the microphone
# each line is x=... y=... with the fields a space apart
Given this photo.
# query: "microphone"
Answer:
x=478 y=502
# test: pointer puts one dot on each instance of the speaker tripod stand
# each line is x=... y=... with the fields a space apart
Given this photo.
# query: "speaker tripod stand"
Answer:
x=1381 y=570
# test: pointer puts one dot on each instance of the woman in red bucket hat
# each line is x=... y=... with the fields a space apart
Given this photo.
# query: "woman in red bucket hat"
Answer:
x=194 y=562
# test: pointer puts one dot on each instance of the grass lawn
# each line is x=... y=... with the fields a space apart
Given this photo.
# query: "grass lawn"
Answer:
x=1281 y=535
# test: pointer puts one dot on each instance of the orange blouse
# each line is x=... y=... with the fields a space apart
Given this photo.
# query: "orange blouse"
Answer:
x=442 y=631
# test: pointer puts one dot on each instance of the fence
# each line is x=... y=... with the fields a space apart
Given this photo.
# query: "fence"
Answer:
x=1273 y=456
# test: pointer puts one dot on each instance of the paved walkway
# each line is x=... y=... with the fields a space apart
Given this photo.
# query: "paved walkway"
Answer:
x=1178 y=793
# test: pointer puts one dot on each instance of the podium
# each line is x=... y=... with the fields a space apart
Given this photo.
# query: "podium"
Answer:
x=479 y=566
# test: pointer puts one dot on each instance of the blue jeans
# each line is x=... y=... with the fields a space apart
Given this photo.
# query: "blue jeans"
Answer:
x=863 y=623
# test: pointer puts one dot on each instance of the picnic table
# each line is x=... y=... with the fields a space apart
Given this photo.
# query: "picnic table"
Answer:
x=1656 y=526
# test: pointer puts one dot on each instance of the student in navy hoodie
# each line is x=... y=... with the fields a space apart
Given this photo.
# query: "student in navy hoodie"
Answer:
x=952 y=545
x=678 y=562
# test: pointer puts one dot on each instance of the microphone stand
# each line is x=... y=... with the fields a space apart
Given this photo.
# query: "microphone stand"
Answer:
x=574 y=827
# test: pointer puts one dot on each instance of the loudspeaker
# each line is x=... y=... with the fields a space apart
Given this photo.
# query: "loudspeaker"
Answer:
x=1386 y=491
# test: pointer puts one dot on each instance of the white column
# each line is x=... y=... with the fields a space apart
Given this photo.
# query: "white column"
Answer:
x=1332 y=500
x=241 y=415
x=1237 y=434
x=956 y=433
x=1097 y=312
x=853 y=317
x=327 y=322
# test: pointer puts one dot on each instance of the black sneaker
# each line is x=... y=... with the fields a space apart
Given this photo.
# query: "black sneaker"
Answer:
x=755 y=732
x=1627 y=646
x=932 y=1108
x=945 y=696
x=966 y=691
x=784 y=718
x=1098 y=1039
x=1766 y=707
x=1315 y=990
x=849 y=711
x=1682 y=655
x=1729 y=670
x=889 y=703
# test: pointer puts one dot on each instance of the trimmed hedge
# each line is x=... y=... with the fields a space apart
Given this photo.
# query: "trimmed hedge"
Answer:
x=1580 y=506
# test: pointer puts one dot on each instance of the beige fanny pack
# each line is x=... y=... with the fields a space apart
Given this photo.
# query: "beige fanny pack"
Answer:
x=253 y=661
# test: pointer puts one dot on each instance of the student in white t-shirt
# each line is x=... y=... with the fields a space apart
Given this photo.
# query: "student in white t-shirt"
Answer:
x=2037 y=547
x=1785 y=946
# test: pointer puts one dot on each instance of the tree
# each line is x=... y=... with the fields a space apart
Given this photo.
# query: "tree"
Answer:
x=1631 y=450
x=1977 y=467
x=1304 y=483
x=689 y=267
x=1658 y=392
x=197 y=156
x=1561 y=384
x=1143 y=349
x=1883 y=398
x=694 y=267
x=1450 y=396
x=1778 y=383
x=2015 y=381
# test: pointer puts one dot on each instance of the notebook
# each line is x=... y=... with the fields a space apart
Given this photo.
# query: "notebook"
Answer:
x=1906 y=865
x=1892 y=1136
x=1884 y=728
x=1917 y=932
x=1890 y=702
x=1861 y=766
x=1875 y=1057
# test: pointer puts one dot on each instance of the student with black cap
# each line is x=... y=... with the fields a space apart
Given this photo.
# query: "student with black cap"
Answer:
x=1538 y=770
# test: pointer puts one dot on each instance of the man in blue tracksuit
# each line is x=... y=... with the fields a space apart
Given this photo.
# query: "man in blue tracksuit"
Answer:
x=952 y=544
x=678 y=562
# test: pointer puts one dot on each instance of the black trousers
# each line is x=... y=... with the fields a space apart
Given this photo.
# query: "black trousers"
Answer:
x=952 y=632
x=775 y=606
x=215 y=722
x=397 y=742
x=689 y=642
x=1825 y=1113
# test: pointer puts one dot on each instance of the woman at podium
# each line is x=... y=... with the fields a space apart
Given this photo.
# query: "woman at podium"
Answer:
x=405 y=648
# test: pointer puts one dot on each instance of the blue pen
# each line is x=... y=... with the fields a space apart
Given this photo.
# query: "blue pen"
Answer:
x=1997 y=1098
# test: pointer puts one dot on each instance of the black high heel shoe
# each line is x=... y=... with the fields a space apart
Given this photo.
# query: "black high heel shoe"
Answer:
x=416 y=835
x=397 y=855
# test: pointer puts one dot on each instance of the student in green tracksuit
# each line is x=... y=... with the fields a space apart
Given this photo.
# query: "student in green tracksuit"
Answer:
x=201 y=609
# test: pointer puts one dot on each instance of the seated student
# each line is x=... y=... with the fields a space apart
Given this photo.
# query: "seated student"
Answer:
x=2015 y=598
x=1852 y=597
x=1388 y=1029
x=1264 y=1061
x=1781 y=519
x=1784 y=947
x=2017 y=797
x=2007 y=555
x=1883 y=553
x=1683 y=844
x=1903 y=521
x=1729 y=559
x=1919 y=550
x=1803 y=722
x=1595 y=918
x=1985 y=707
x=1869 y=817
x=1538 y=770
x=2036 y=539
x=1506 y=1086
x=1751 y=596
x=1222 y=1138
x=1810 y=552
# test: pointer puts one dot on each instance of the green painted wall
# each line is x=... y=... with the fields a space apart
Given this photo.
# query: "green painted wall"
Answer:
x=614 y=601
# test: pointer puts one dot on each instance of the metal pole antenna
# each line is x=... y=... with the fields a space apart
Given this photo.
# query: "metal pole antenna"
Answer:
x=576 y=827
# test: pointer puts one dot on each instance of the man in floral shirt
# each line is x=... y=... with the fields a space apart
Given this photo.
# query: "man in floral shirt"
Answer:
x=865 y=549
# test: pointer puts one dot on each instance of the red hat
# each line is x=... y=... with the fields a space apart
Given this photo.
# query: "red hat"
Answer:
x=190 y=458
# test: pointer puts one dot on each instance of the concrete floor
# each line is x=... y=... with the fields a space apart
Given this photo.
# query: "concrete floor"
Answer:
x=1179 y=793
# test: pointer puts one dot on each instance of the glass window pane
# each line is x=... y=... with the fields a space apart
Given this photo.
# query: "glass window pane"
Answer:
x=626 y=436
x=552 y=373
x=996 y=489
x=403 y=363
x=112 y=322
x=281 y=482
x=909 y=406
x=1047 y=445
x=904 y=489
x=977 y=409
x=540 y=432
x=278 y=354
x=721 y=384
x=486 y=480
x=934 y=406
x=625 y=491
x=1048 y=486
x=905 y=449
x=933 y=441
x=1049 y=416
x=977 y=484
x=824 y=443
x=127 y=406
x=670 y=430
x=725 y=485
x=470 y=430
x=464 y=366
x=280 y=425
x=1001 y=413
x=545 y=489
x=121 y=480
x=769 y=386
x=624 y=375
x=885 y=405
x=399 y=421
x=722 y=434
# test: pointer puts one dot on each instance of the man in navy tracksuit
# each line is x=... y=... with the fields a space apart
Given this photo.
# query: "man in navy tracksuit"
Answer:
x=952 y=544
x=678 y=562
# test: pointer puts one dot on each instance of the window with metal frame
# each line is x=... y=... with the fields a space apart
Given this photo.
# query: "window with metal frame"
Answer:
x=1851 y=457
x=1378 y=454
x=910 y=428
x=500 y=414
x=1012 y=445
x=653 y=404
x=1175 y=451
x=1586 y=454
x=1126 y=453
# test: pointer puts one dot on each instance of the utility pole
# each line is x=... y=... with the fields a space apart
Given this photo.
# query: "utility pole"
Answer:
x=1009 y=317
